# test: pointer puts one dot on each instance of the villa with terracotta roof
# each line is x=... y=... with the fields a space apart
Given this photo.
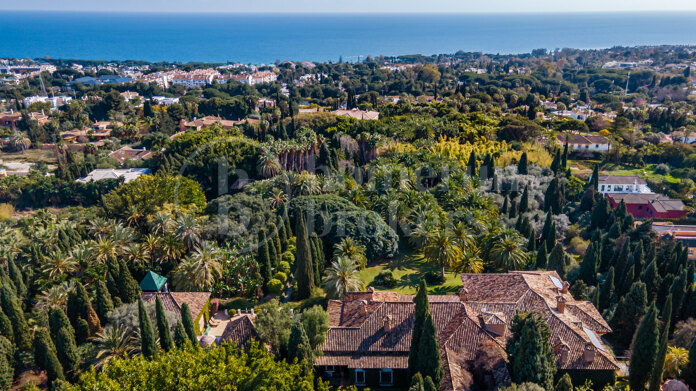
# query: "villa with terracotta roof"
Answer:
x=357 y=114
x=649 y=206
x=369 y=335
x=584 y=142
x=127 y=153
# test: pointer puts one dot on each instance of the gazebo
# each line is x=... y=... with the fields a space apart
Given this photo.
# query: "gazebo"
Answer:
x=153 y=282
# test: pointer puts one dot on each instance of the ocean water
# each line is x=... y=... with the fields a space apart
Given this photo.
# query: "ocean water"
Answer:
x=259 y=38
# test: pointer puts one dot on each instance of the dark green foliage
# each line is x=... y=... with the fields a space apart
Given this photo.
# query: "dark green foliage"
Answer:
x=557 y=261
x=524 y=201
x=165 y=336
x=645 y=346
x=632 y=306
x=189 y=327
x=6 y=364
x=299 y=347
x=17 y=278
x=148 y=343
x=531 y=241
x=66 y=350
x=564 y=384
x=54 y=371
x=513 y=209
x=429 y=361
x=111 y=280
x=564 y=159
x=6 y=326
x=594 y=181
x=304 y=273
x=42 y=345
x=263 y=257
x=416 y=383
x=429 y=384
x=621 y=261
x=81 y=331
x=283 y=234
x=471 y=167
x=553 y=197
x=600 y=214
x=656 y=378
x=104 y=302
x=588 y=267
x=522 y=165
x=606 y=292
x=180 y=338
x=127 y=286
x=58 y=320
x=504 y=209
x=11 y=307
x=531 y=357
x=275 y=238
x=421 y=311
x=80 y=307
x=541 y=257
x=556 y=164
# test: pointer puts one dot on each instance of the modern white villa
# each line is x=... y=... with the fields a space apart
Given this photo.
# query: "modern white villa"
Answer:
x=620 y=184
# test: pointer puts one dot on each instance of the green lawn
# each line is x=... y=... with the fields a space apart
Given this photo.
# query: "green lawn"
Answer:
x=584 y=168
x=409 y=269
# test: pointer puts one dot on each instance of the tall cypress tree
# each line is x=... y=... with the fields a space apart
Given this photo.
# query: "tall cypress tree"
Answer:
x=429 y=384
x=600 y=214
x=416 y=383
x=531 y=241
x=304 y=273
x=524 y=201
x=557 y=261
x=606 y=292
x=632 y=306
x=588 y=267
x=273 y=253
x=42 y=345
x=564 y=384
x=594 y=181
x=189 y=327
x=472 y=165
x=80 y=307
x=522 y=168
x=127 y=286
x=283 y=235
x=54 y=371
x=180 y=338
x=11 y=308
x=66 y=350
x=421 y=311
x=165 y=336
x=556 y=164
x=275 y=236
x=564 y=159
x=58 y=320
x=299 y=347
x=551 y=238
x=531 y=357
x=504 y=209
x=17 y=278
x=656 y=378
x=429 y=362
x=104 y=302
x=264 y=258
x=513 y=209
x=541 y=257
x=148 y=343
x=645 y=346
x=6 y=326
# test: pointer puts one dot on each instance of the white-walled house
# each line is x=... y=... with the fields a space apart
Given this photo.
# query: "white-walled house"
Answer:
x=584 y=142
x=620 y=184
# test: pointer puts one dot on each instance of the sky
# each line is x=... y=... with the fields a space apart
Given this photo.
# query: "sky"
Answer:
x=353 y=6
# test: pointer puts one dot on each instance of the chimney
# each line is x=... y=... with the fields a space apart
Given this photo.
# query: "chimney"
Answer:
x=563 y=352
x=387 y=323
x=560 y=304
x=566 y=285
x=463 y=294
x=588 y=353
x=363 y=307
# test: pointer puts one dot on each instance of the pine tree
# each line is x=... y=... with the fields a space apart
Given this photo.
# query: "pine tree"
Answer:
x=656 y=378
x=189 y=327
x=6 y=327
x=165 y=336
x=127 y=286
x=54 y=371
x=472 y=165
x=645 y=346
x=421 y=311
x=11 y=308
x=299 y=347
x=524 y=201
x=429 y=361
x=594 y=181
x=42 y=344
x=304 y=273
x=541 y=257
x=17 y=278
x=564 y=384
x=66 y=350
x=104 y=303
x=588 y=267
x=531 y=357
x=148 y=343
x=607 y=290
x=264 y=258
x=180 y=338
x=557 y=261
x=632 y=306
x=522 y=165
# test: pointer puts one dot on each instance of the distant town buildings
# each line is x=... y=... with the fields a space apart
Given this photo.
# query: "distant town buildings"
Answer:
x=129 y=174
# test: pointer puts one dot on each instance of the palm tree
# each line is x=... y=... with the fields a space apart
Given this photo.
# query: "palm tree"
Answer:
x=350 y=249
x=200 y=271
x=277 y=199
x=134 y=215
x=268 y=164
x=19 y=142
x=470 y=262
x=342 y=277
x=508 y=252
x=161 y=223
x=55 y=296
x=103 y=249
x=113 y=342
x=442 y=249
x=188 y=230
x=675 y=360
x=171 y=248
x=58 y=264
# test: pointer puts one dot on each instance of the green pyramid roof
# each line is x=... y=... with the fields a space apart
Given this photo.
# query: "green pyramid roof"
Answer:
x=152 y=282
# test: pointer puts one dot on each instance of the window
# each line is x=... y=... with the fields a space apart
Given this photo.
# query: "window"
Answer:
x=691 y=251
x=386 y=377
x=602 y=189
x=618 y=188
x=359 y=377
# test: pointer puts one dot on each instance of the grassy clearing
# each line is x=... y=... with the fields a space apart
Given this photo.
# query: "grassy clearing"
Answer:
x=583 y=168
x=30 y=156
x=409 y=269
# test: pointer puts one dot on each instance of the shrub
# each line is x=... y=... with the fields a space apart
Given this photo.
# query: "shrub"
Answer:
x=284 y=266
x=662 y=169
x=385 y=279
x=274 y=286
x=288 y=257
x=280 y=276
x=434 y=278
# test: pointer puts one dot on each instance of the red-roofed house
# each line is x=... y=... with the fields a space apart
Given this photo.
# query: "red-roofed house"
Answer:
x=649 y=206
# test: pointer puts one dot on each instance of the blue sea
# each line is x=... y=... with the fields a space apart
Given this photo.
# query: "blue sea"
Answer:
x=259 y=38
